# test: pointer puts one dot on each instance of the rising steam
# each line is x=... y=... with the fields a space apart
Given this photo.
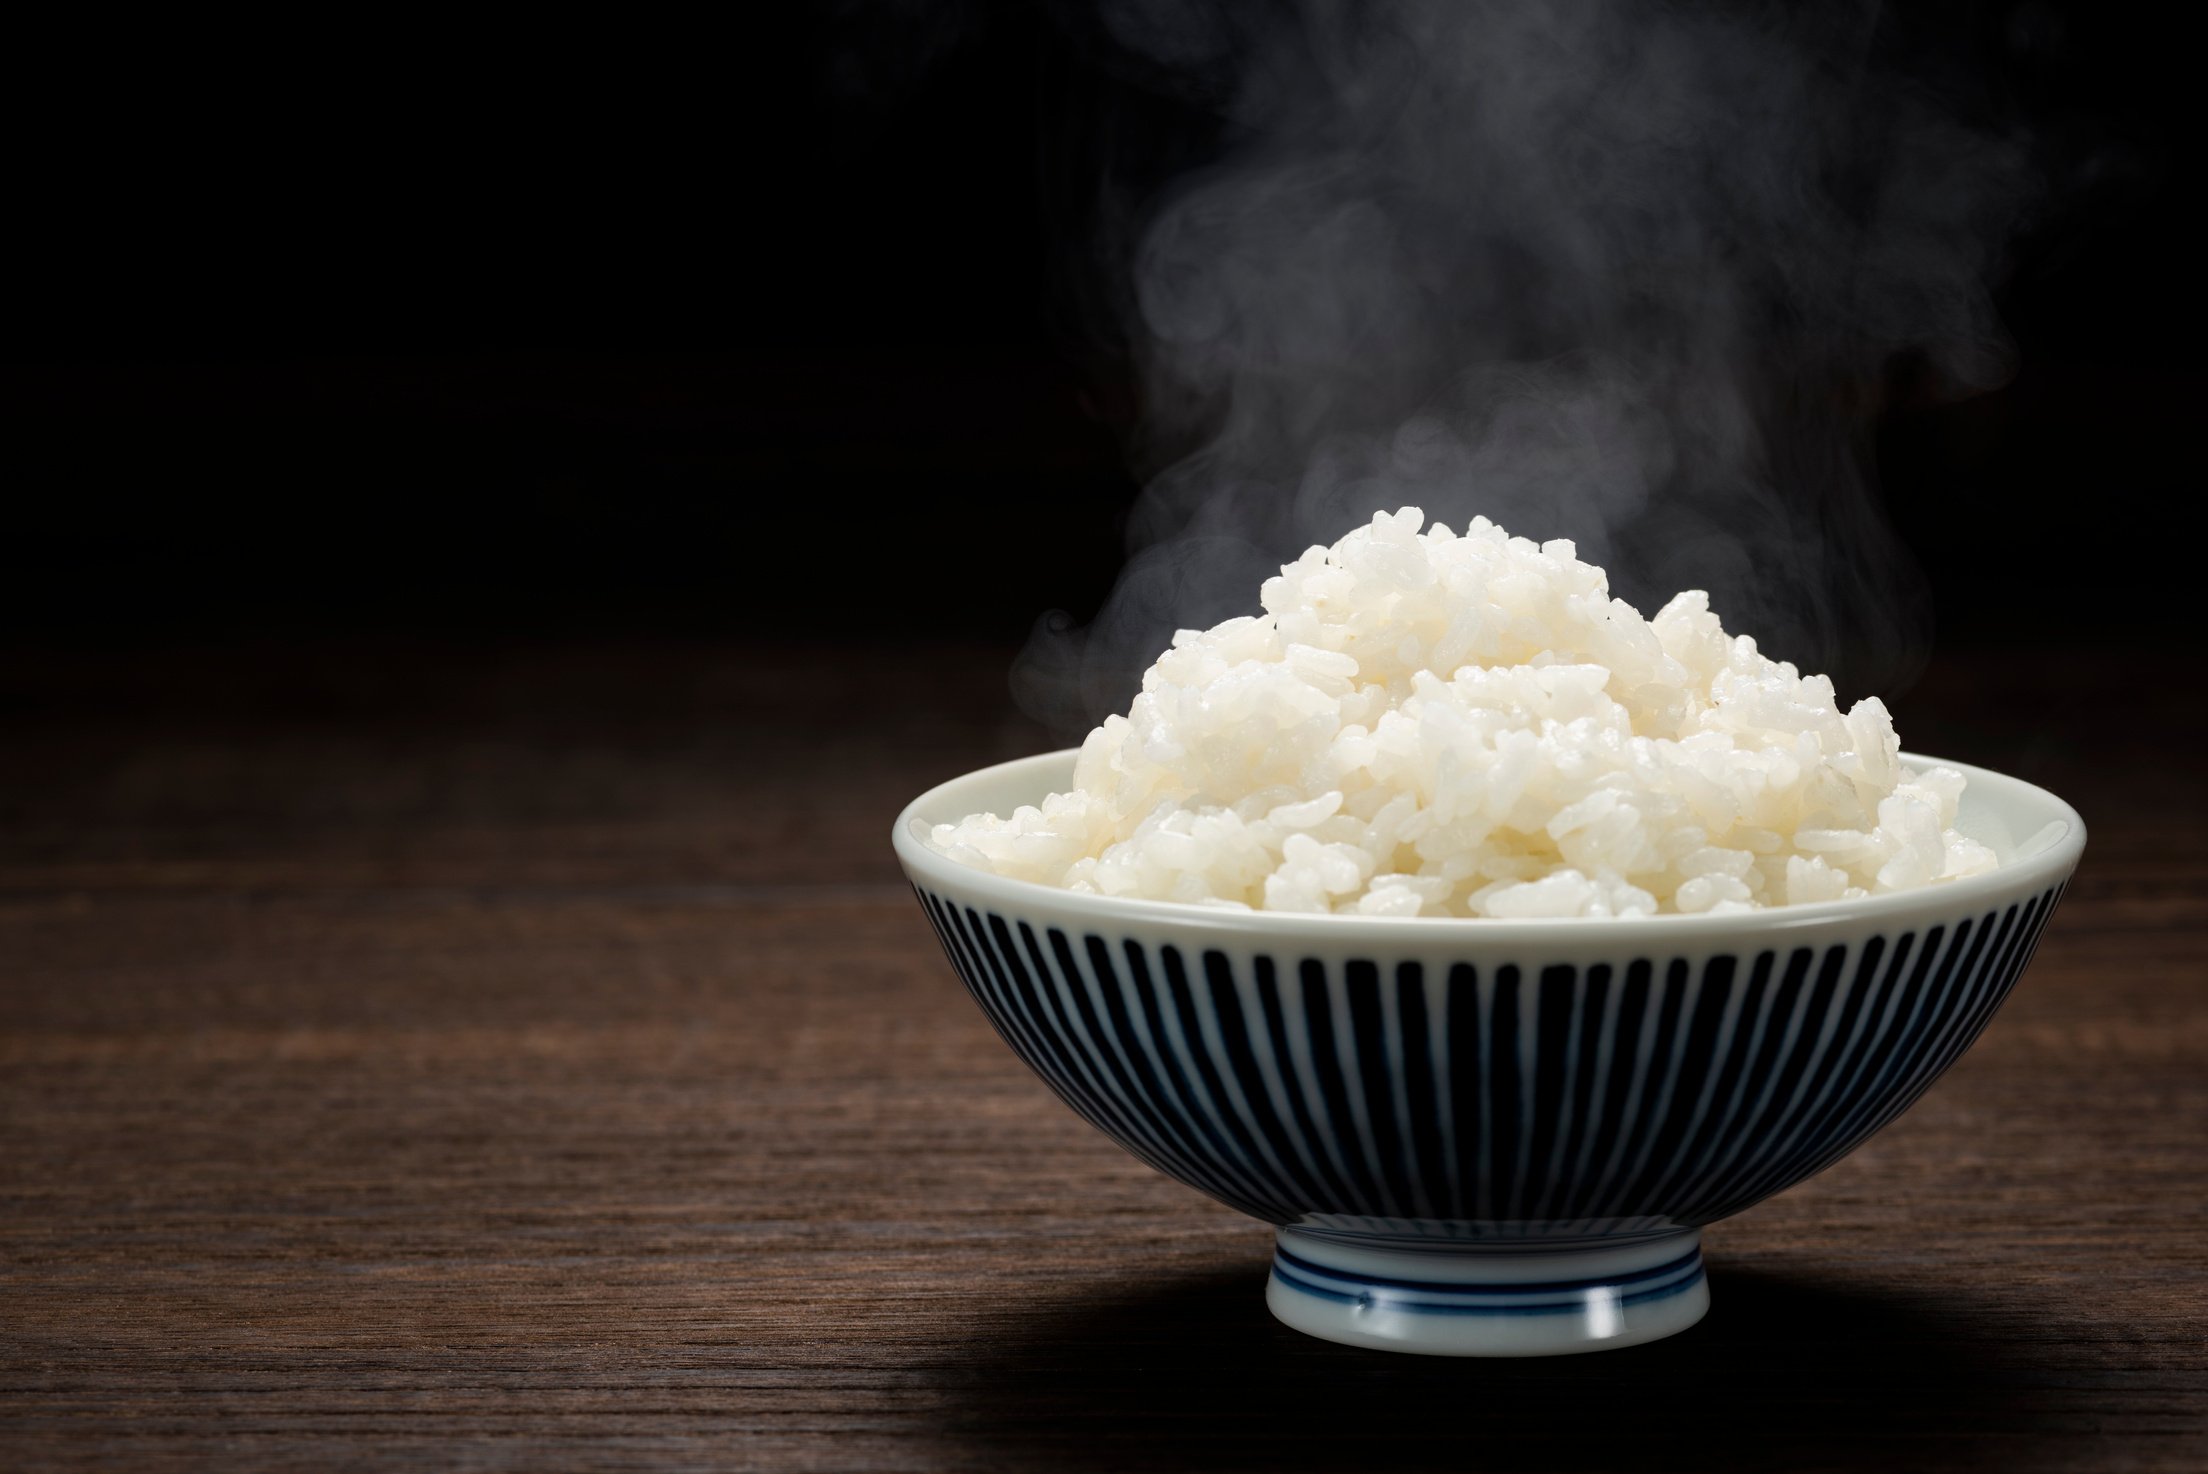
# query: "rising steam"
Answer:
x=1629 y=272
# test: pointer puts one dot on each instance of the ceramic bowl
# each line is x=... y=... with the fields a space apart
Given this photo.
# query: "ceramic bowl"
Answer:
x=1480 y=1137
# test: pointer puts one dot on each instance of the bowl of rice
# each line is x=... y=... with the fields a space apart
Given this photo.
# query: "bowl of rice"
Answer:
x=1484 y=937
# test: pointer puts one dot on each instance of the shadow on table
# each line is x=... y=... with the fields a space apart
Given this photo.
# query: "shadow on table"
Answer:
x=1788 y=1370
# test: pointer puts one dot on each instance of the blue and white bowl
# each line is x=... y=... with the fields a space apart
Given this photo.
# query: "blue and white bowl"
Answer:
x=1480 y=1137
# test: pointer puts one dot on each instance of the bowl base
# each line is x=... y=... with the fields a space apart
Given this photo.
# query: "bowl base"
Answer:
x=1487 y=1299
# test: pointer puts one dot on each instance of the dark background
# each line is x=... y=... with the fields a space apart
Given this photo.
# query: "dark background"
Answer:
x=398 y=335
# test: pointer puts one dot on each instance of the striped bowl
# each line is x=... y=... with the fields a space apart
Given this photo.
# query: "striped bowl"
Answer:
x=1490 y=1138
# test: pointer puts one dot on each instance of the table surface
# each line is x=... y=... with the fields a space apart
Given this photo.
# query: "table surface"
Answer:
x=532 y=1059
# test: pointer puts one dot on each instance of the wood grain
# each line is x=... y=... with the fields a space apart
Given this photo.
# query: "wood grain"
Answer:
x=532 y=1060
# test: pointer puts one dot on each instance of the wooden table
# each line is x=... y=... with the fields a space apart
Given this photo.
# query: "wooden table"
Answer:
x=533 y=1060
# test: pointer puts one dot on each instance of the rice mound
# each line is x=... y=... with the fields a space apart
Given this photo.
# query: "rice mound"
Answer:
x=1428 y=724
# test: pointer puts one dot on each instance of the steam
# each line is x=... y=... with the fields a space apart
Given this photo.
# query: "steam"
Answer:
x=1625 y=271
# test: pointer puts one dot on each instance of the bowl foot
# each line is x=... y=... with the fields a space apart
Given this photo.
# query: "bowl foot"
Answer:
x=1487 y=1300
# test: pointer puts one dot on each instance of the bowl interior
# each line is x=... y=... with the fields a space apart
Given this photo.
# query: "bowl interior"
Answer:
x=2014 y=819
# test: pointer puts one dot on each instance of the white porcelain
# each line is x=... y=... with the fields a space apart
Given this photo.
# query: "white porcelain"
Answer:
x=1481 y=1137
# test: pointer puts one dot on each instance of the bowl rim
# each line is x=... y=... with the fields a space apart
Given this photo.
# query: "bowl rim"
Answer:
x=2012 y=879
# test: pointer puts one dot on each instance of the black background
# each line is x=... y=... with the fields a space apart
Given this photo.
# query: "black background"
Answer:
x=388 y=331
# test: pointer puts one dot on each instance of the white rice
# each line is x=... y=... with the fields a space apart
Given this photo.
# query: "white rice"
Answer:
x=1428 y=724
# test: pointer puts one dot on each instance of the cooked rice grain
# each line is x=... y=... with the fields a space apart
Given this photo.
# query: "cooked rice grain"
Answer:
x=1429 y=724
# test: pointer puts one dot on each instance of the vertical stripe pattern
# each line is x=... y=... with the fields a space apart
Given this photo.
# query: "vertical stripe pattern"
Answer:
x=1625 y=1095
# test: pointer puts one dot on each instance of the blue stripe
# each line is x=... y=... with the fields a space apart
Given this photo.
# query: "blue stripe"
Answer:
x=1523 y=1287
x=1305 y=1272
x=1576 y=1305
x=1640 y=1094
